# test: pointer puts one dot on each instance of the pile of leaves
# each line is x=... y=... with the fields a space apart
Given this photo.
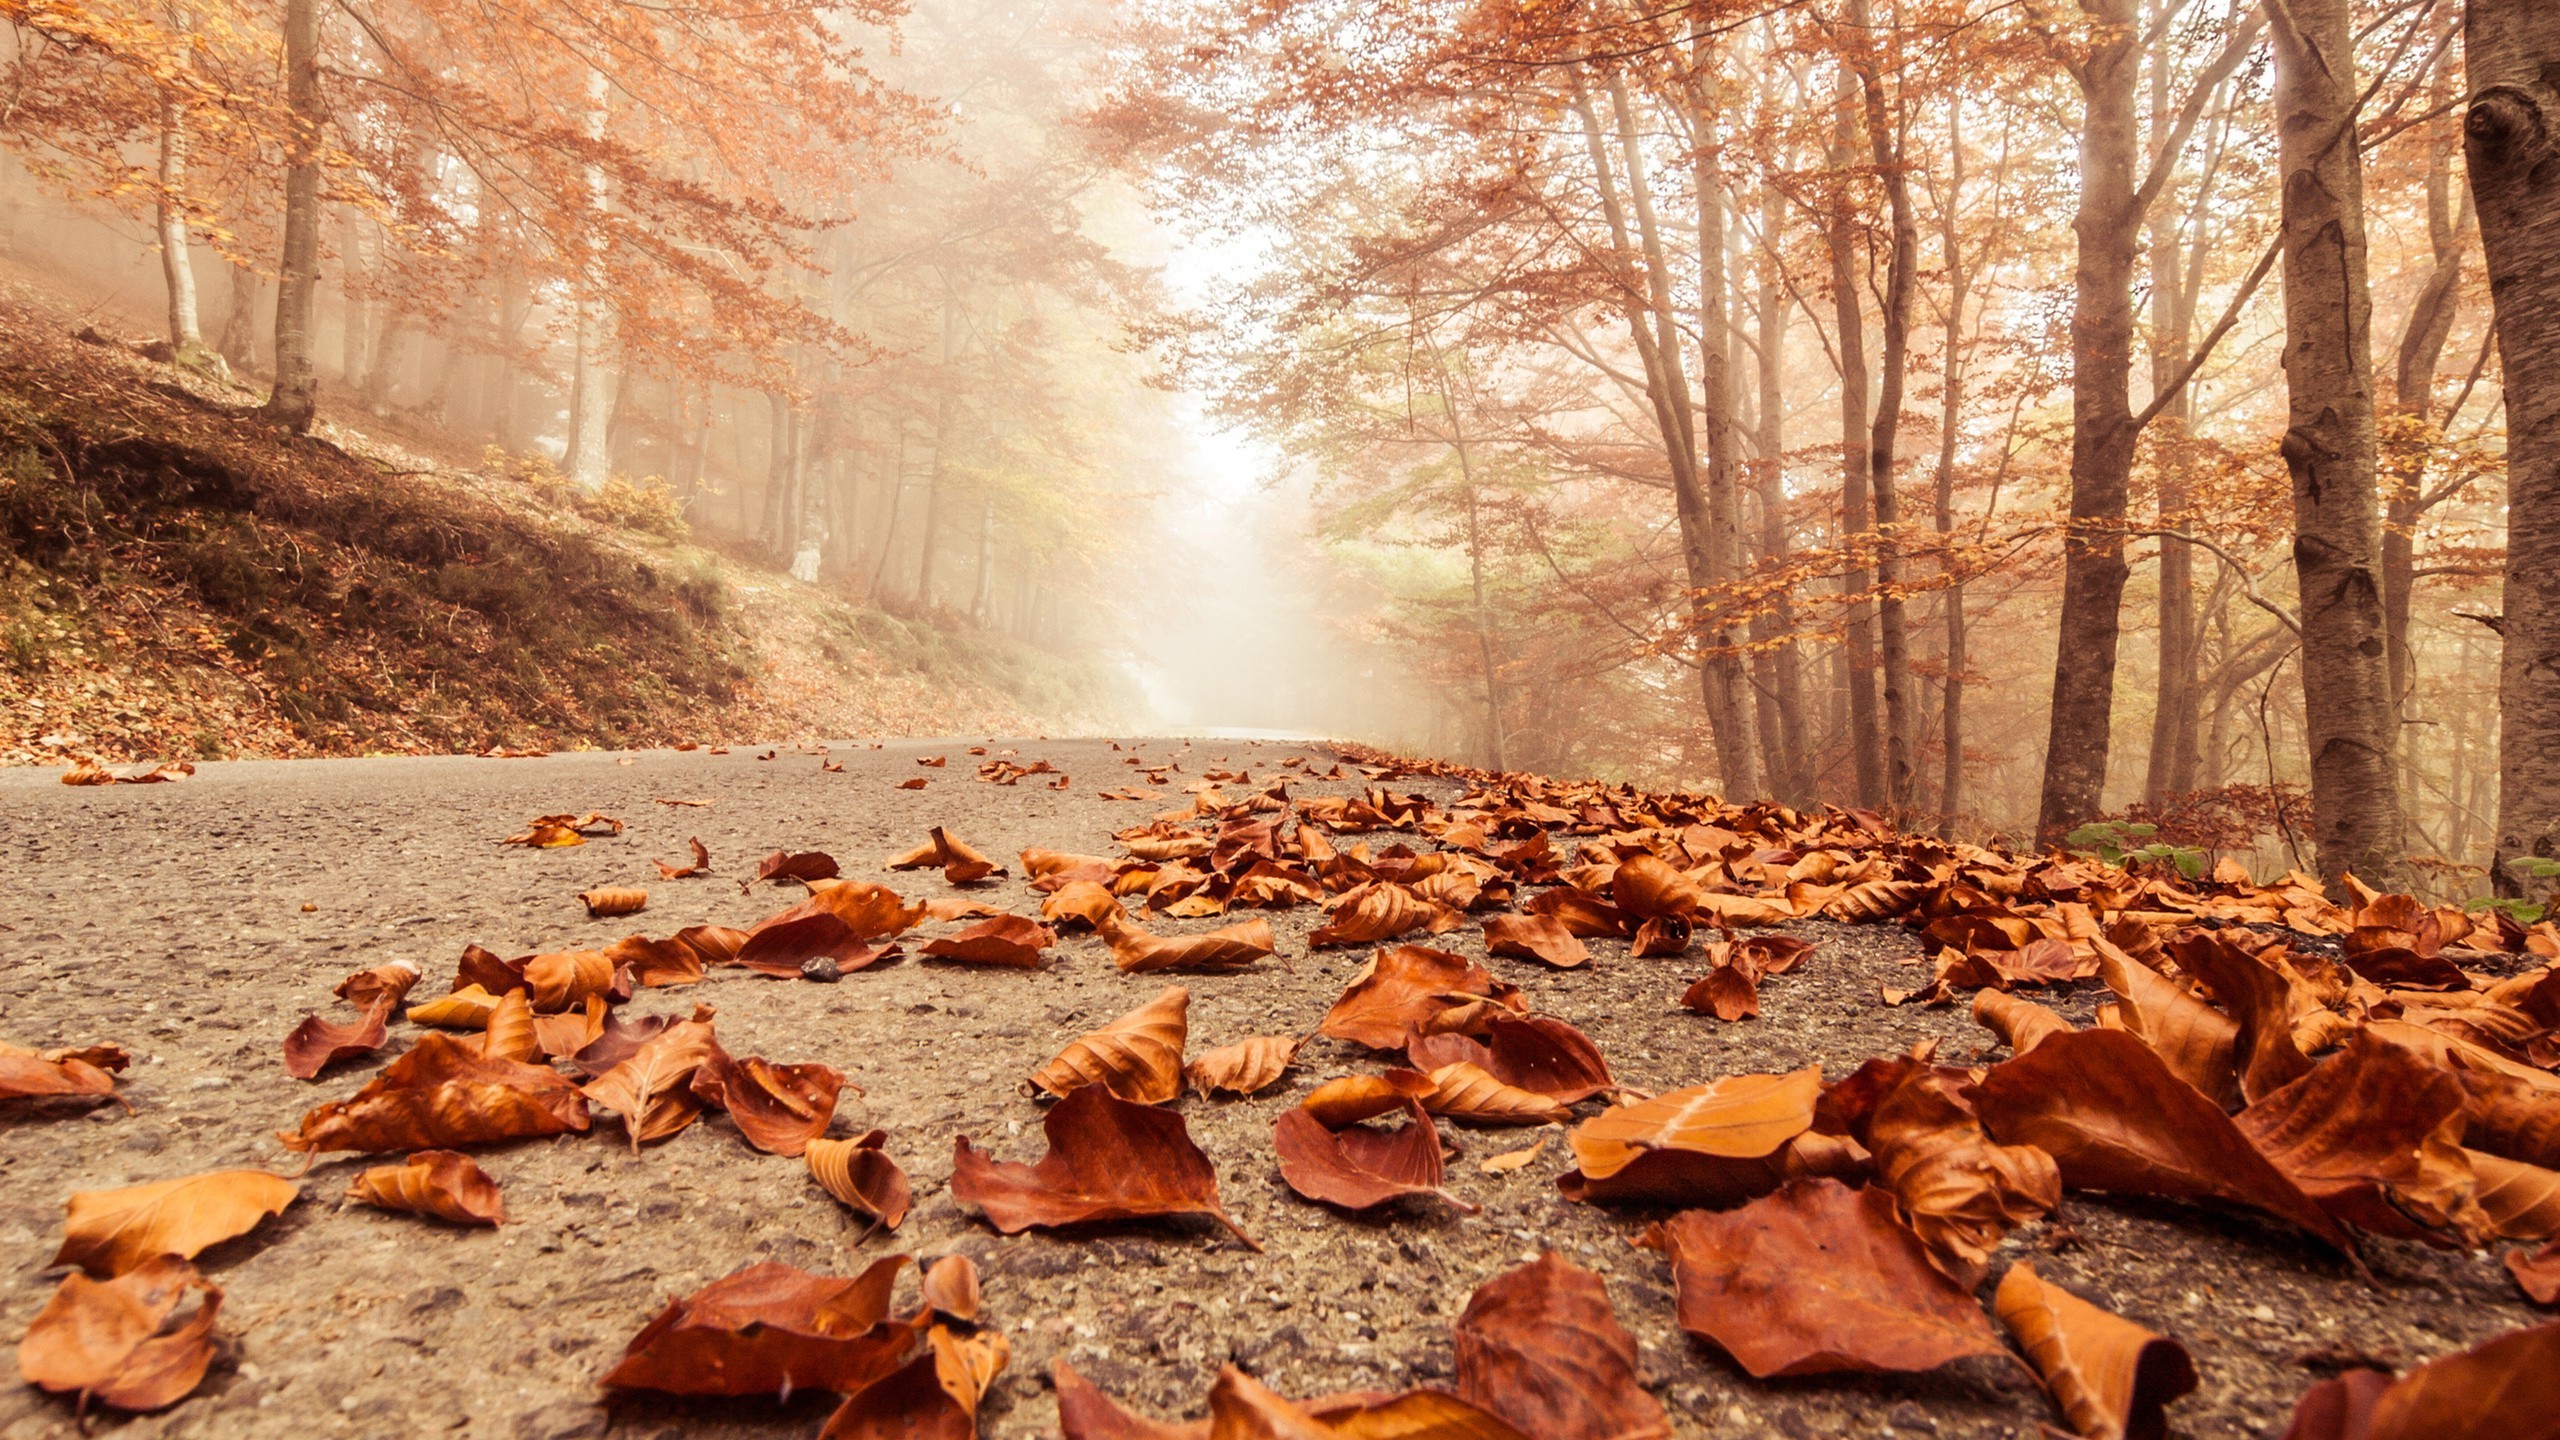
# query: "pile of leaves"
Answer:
x=2376 y=1068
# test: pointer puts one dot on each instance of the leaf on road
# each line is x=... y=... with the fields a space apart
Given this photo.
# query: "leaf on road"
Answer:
x=28 y=1074
x=1960 y=1192
x=570 y=1031
x=2258 y=999
x=779 y=1108
x=2196 y=1041
x=701 y=864
x=2507 y=1387
x=1357 y=1167
x=2114 y=1118
x=109 y=1340
x=1109 y=1159
x=1534 y=1052
x=366 y=986
x=109 y=1232
x=861 y=1174
x=838 y=923
x=562 y=980
x=1231 y=947
x=2021 y=1024
x=2537 y=1272
x=1244 y=1068
x=1464 y=1091
x=1078 y=902
x=1009 y=940
x=1649 y=887
x=932 y=1397
x=1379 y=910
x=1815 y=1279
x=1354 y=1098
x=1729 y=992
x=2109 y=1377
x=1406 y=988
x=442 y=1183
x=606 y=901
x=958 y=863
x=1138 y=1056
x=2373 y=1133
x=653 y=1090
x=510 y=1035
x=441 y=1095
x=315 y=1044
x=1539 y=1348
x=951 y=1288
x=468 y=1008
x=1534 y=937
x=770 y=1329
x=801 y=865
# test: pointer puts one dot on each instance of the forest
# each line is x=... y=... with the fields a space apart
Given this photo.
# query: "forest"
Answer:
x=2031 y=420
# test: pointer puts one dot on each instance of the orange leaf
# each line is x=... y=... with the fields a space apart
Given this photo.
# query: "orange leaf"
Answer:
x=861 y=1174
x=779 y=1108
x=1244 y=1068
x=1355 y=1098
x=1009 y=940
x=104 y=1339
x=1534 y=937
x=1109 y=1159
x=1539 y=1348
x=109 y=1232
x=2111 y=1378
x=770 y=1329
x=1403 y=989
x=1359 y=1168
x=315 y=1044
x=951 y=1288
x=442 y=1094
x=1232 y=947
x=607 y=901
x=2508 y=1386
x=441 y=1183
x=1138 y=1056
x=652 y=1091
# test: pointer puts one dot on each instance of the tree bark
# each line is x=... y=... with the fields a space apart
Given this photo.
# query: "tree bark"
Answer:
x=295 y=400
x=2512 y=145
x=1884 y=142
x=1950 y=422
x=589 y=458
x=1789 y=751
x=2173 y=714
x=177 y=266
x=2093 y=567
x=1866 y=740
x=239 y=342
x=2329 y=448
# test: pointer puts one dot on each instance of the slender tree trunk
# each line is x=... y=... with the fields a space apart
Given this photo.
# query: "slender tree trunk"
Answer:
x=1791 y=759
x=1951 y=796
x=589 y=456
x=2172 y=337
x=2102 y=436
x=1857 y=456
x=177 y=266
x=2329 y=447
x=982 y=593
x=1495 y=751
x=295 y=400
x=1884 y=141
x=889 y=528
x=239 y=343
x=2512 y=145
x=1728 y=688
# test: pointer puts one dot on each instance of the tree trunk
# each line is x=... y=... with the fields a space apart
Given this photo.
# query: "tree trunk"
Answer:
x=589 y=458
x=2102 y=436
x=1884 y=142
x=239 y=343
x=2173 y=713
x=1951 y=795
x=1866 y=741
x=2512 y=145
x=1789 y=749
x=295 y=400
x=177 y=266
x=2329 y=448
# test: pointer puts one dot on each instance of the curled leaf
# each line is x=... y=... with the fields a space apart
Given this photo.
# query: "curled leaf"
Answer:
x=701 y=864
x=935 y=1395
x=560 y=981
x=315 y=1044
x=1138 y=1056
x=442 y=1094
x=468 y=1008
x=2507 y=1386
x=365 y=986
x=2112 y=1379
x=509 y=1034
x=1231 y=947
x=1535 y=937
x=109 y=1340
x=1355 y=1098
x=653 y=1090
x=441 y=1183
x=606 y=901
x=769 y=1329
x=951 y=1288
x=1539 y=1348
x=1009 y=940
x=959 y=864
x=1357 y=1167
x=2021 y=1024
x=861 y=1174
x=1405 y=989
x=1465 y=1091
x=1379 y=910
x=781 y=1109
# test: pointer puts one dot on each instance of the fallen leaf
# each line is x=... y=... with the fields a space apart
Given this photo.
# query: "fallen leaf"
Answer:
x=861 y=1174
x=701 y=863
x=1510 y=1160
x=610 y=900
x=770 y=1329
x=486 y=971
x=27 y=1074
x=109 y=1232
x=1079 y=902
x=315 y=1044
x=801 y=865
x=1109 y=1159
x=2522 y=1201
x=2504 y=1387
x=1357 y=1167
x=1539 y=1348
x=653 y=1090
x=2112 y=1116
x=1404 y=989
x=1817 y=1279
x=2373 y=1133
x=1355 y=1098
x=1739 y=1116
x=442 y=1183
x=550 y=832
x=1244 y=1068
x=2110 y=1377
x=2196 y=1041
x=468 y=1008
x=1960 y=1192
x=779 y=1108
x=959 y=864
x=1463 y=1091
x=951 y=1288
x=440 y=1095
x=838 y=923
x=1651 y=888
x=509 y=1035
x=392 y=979
x=1534 y=937
x=618 y=1041
x=1534 y=1052
x=1728 y=992
x=934 y=1396
x=918 y=783
x=109 y=1340
x=2021 y=1024
x=2537 y=1272
x=1231 y=947
x=1138 y=1056
x=2258 y=999
x=656 y=963
x=1379 y=910
x=1009 y=940
x=562 y=980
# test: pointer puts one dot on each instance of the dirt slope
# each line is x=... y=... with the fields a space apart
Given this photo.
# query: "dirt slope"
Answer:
x=178 y=580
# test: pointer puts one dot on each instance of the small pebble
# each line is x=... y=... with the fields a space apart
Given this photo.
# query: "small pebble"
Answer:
x=822 y=970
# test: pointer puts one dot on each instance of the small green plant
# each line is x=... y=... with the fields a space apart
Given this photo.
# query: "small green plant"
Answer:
x=2523 y=912
x=2114 y=841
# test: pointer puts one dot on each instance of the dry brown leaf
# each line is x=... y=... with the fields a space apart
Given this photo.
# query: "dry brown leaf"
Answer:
x=1231 y=947
x=701 y=864
x=2111 y=1378
x=2258 y=999
x=568 y=1033
x=781 y=1109
x=315 y=1044
x=1379 y=910
x=442 y=1183
x=468 y=1008
x=2021 y=1024
x=1649 y=887
x=2112 y=1116
x=2537 y=1273
x=442 y=1094
x=932 y=1397
x=1535 y=1052
x=1359 y=1168
x=1815 y=1279
x=2522 y=1201
x=1138 y=1056
x=804 y=866
x=1244 y=1068
x=1404 y=990
x=1539 y=1348
x=951 y=1288
x=1728 y=992
x=2505 y=1387
x=1007 y=940
x=560 y=981
x=958 y=863
x=840 y=923
x=1109 y=1159
x=1510 y=1160
x=109 y=1232
x=1740 y=1116
x=1960 y=1192
x=1535 y=937
x=392 y=979
x=2374 y=1134
x=1355 y=1098
x=1465 y=1091
x=2197 y=1042
x=861 y=1174
x=110 y=1340
x=1080 y=902
x=653 y=1090
x=606 y=901
x=770 y=1329
x=27 y=1074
